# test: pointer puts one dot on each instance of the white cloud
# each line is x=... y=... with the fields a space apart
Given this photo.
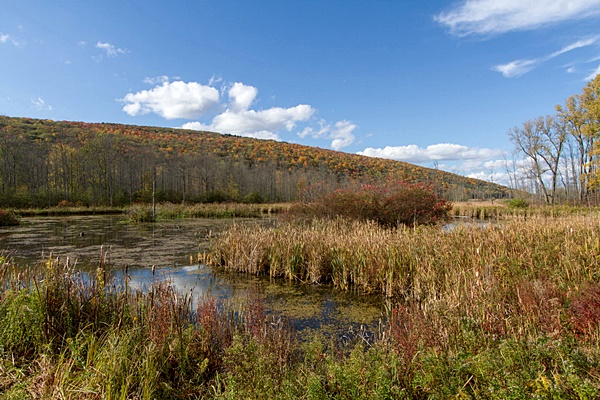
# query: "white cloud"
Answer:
x=576 y=45
x=40 y=104
x=156 y=80
x=239 y=119
x=593 y=74
x=436 y=152
x=6 y=38
x=516 y=68
x=242 y=96
x=193 y=100
x=341 y=133
x=173 y=100
x=480 y=163
x=214 y=80
x=500 y=16
x=520 y=67
x=198 y=126
x=258 y=124
x=111 y=50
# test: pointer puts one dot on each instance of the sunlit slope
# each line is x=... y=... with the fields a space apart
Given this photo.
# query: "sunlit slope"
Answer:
x=170 y=145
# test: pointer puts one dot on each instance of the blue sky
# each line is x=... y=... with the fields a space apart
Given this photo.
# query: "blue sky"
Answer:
x=437 y=83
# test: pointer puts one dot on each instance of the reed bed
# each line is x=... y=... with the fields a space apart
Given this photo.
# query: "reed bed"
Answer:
x=515 y=279
x=487 y=327
x=144 y=213
x=502 y=210
x=69 y=210
x=219 y=210
x=407 y=262
x=469 y=307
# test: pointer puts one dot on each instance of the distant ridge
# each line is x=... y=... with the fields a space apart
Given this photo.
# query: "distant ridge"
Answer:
x=106 y=162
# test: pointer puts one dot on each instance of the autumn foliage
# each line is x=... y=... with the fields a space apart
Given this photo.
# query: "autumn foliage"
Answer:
x=119 y=165
x=390 y=204
x=8 y=218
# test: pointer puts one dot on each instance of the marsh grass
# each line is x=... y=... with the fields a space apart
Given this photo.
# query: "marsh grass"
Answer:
x=141 y=212
x=68 y=210
x=508 y=311
x=517 y=295
x=68 y=334
x=166 y=211
x=516 y=208
x=416 y=263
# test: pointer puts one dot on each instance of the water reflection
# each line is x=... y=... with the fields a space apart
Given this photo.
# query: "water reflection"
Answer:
x=170 y=249
x=81 y=238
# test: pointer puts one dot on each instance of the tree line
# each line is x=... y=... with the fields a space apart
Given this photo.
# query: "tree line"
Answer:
x=44 y=163
x=561 y=151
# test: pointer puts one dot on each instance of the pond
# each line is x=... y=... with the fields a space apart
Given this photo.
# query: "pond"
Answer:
x=170 y=250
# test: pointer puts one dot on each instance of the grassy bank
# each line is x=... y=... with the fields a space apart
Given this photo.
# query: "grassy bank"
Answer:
x=515 y=208
x=56 y=211
x=164 y=211
x=65 y=335
x=143 y=213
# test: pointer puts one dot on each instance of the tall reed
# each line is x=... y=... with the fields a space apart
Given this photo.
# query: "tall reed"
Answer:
x=142 y=213
x=493 y=334
x=515 y=278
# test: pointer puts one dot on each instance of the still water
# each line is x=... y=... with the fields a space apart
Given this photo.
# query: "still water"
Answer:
x=170 y=249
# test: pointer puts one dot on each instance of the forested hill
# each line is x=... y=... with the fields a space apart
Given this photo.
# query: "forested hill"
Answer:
x=43 y=162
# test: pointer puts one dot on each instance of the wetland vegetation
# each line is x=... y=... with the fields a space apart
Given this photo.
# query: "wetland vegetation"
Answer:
x=505 y=311
x=502 y=310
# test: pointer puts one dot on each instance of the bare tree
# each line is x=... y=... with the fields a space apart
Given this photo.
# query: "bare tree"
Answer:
x=542 y=141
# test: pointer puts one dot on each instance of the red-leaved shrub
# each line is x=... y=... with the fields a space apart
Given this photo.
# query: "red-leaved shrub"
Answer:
x=585 y=309
x=389 y=204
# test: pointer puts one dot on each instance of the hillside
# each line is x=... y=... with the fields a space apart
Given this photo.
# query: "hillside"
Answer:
x=43 y=162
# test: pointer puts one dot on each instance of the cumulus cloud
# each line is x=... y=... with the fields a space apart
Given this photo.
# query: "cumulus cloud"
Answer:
x=233 y=115
x=500 y=16
x=111 y=50
x=480 y=163
x=262 y=124
x=173 y=100
x=242 y=96
x=435 y=152
x=198 y=126
x=272 y=119
x=341 y=133
x=520 y=67
x=239 y=119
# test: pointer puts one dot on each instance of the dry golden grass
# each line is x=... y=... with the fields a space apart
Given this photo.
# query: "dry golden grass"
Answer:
x=513 y=278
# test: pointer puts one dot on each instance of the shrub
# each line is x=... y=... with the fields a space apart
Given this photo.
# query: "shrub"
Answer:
x=141 y=214
x=518 y=203
x=66 y=203
x=9 y=218
x=253 y=198
x=585 y=309
x=390 y=204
